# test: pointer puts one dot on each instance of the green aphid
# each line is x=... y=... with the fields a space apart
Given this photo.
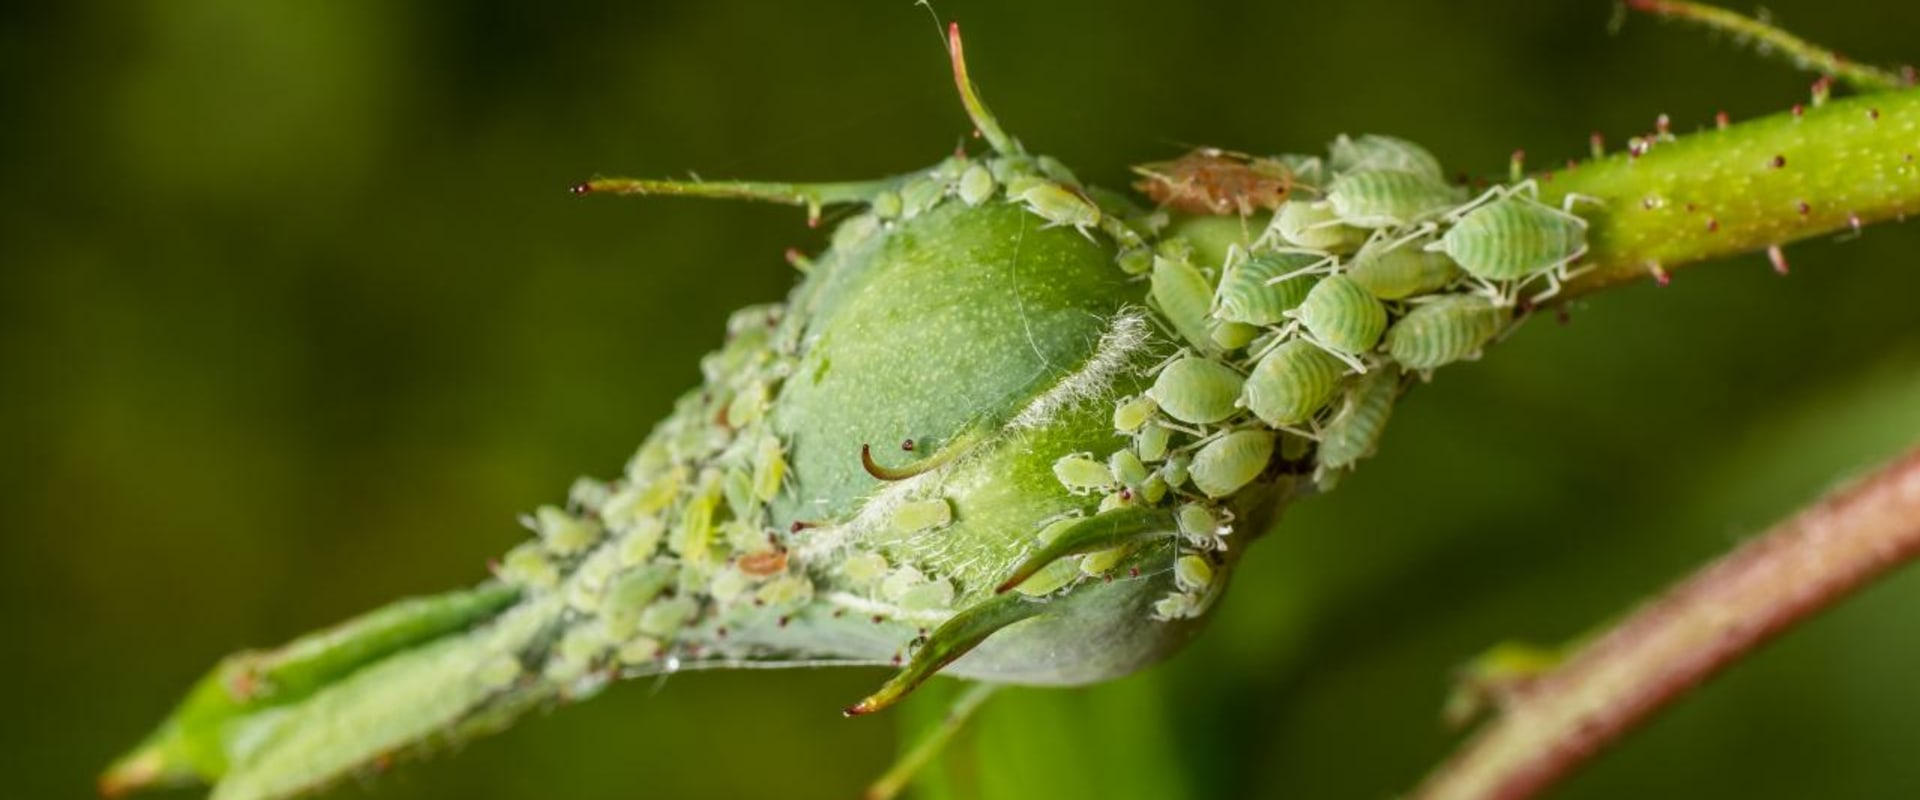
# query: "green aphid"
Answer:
x=1396 y=271
x=886 y=205
x=1315 y=226
x=630 y=593
x=692 y=537
x=785 y=590
x=854 y=231
x=864 y=569
x=1233 y=335
x=1184 y=297
x=1355 y=429
x=1082 y=535
x=563 y=533
x=1127 y=468
x=1252 y=291
x=1135 y=260
x=1374 y=151
x=1101 y=562
x=1059 y=205
x=527 y=565
x=727 y=585
x=769 y=469
x=738 y=489
x=1200 y=523
x=1150 y=444
x=1446 y=330
x=1113 y=501
x=1153 y=489
x=915 y=516
x=638 y=651
x=1082 y=474
x=666 y=617
x=1513 y=238
x=1342 y=317
x=1225 y=464
x=1197 y=390
x=1292 y=383
x=932 y=595
x=1384 y=198
x=921 y=195
x=1192 y=573
x=900 y=581
x=641 y=540
x=748 y=406
x=576 y=653
x=976 y=185
x=1131 y=414
x=1176 y=470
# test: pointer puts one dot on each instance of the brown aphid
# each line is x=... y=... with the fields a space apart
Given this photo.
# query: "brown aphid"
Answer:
x=760 y=565
x=1213 y=181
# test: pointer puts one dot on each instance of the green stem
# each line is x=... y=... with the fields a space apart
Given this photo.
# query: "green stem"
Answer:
x=1767 y=38
x=890 y=785
x=1751 y=186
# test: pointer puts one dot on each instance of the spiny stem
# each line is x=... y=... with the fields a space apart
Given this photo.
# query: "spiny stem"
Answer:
x=983 y=120
x=1804 y=54
x=931 y=743
x=1721 y=614
x=1745 y=187
x=811 y=195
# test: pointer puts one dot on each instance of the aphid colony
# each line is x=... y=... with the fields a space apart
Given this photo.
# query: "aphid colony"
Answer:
x=1294 y=340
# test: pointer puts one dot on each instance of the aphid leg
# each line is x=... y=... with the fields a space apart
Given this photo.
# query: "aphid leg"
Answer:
x=1351 y=361
x=1572 y=199
x=1325 y=266
x=954 y=448
x=953 y=639
x=1098 y=532
x=1415 y=232
x=935 y=739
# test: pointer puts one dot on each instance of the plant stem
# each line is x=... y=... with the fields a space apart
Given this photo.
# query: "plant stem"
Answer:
x=1668 y=202
x=931 y=742
x=1767 y=38
x=1720 y=614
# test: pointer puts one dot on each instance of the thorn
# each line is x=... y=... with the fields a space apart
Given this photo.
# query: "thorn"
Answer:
x=1636 y=147
x=1822 y=90
x=581 y=188
x=1779 y=259
x=1597 y=144
x=1779 y=161
x=1663 y=126
x=1713 y=225
x=1517 y=166
x=1908 y=75
x=1721 y=120
x=1803 y=208
x=1853 y=221
x=1562 y=315
x=1873 y=114
x=1660 y=274
x=799 y=525
x=1799 y=111
x=907 y=445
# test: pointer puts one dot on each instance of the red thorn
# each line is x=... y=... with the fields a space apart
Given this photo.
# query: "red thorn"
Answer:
x=1561 y=315
x=1873 y=114
x=784 y=620
x=1804 y=208
x=1798 y=111
x=1133 y=572
x=907 y=445
x=1713 y=225
x=1660 y=274
x=1778 y=162
x=1597 y=143
x=813 y=221
x=1663 y=124
x=1853 y=221
x=877 y=619
x=581 y=188
x=1908 y=76
x=1721 y=120
x=1779 y=259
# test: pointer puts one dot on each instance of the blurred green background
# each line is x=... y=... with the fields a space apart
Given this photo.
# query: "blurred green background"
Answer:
x=296 y=315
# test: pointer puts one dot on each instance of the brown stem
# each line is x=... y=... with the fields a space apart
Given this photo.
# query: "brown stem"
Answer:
x=1707 y=622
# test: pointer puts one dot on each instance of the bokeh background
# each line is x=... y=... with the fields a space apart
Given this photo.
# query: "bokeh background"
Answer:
x=296 y=315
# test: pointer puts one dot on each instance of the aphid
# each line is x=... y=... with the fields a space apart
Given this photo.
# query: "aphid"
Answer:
x=785 y=590
x=575 y=653
x=1196 y=390
x=1252 y=292
x=1512 y=238
x=738 y=489
x=764 y=563
x=690 y=540
x=1178 y=606
x=864 y=568
x=1129 y=415
x=1127 y=468
x=564 y=533
x=928 y=596
x=638 y=650
x=1384 y=198
x=629 y=594
x=1135 y=260
x=976 y=185
x=1081 y=474
x=921 y=515
x=1342 y=317
x=1396 y=271
x=1233 y=335
x=1059 y=205
x=921 y=195
x=1312 y=225
x=527 y=565
x=1292 y=383
x=1231 y=461
x=1374 y=151
x=1356 y=427
x=640 y=541
x=1153 y=489
x=769 y=469
x=1176 y=470
x=1212 y=181
x=1192 y=573
x=1151 y=442
x=748 y=406
x=1101 y=562
x=900 y=581
x=1446 y=330
x=1183 y=295
x=886 y=205
x=727 y=585
x=664 y=618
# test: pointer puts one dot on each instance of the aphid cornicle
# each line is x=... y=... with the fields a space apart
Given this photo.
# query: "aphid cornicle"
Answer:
x=1384 y=198
x=1342 y=317
x=1248 y=295
x=1443 y=331
x=1225 y=464
x=1291 y=383
x=1396 y=271
x=1513 y=237
x=1196 y=390
x=1374 y=151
